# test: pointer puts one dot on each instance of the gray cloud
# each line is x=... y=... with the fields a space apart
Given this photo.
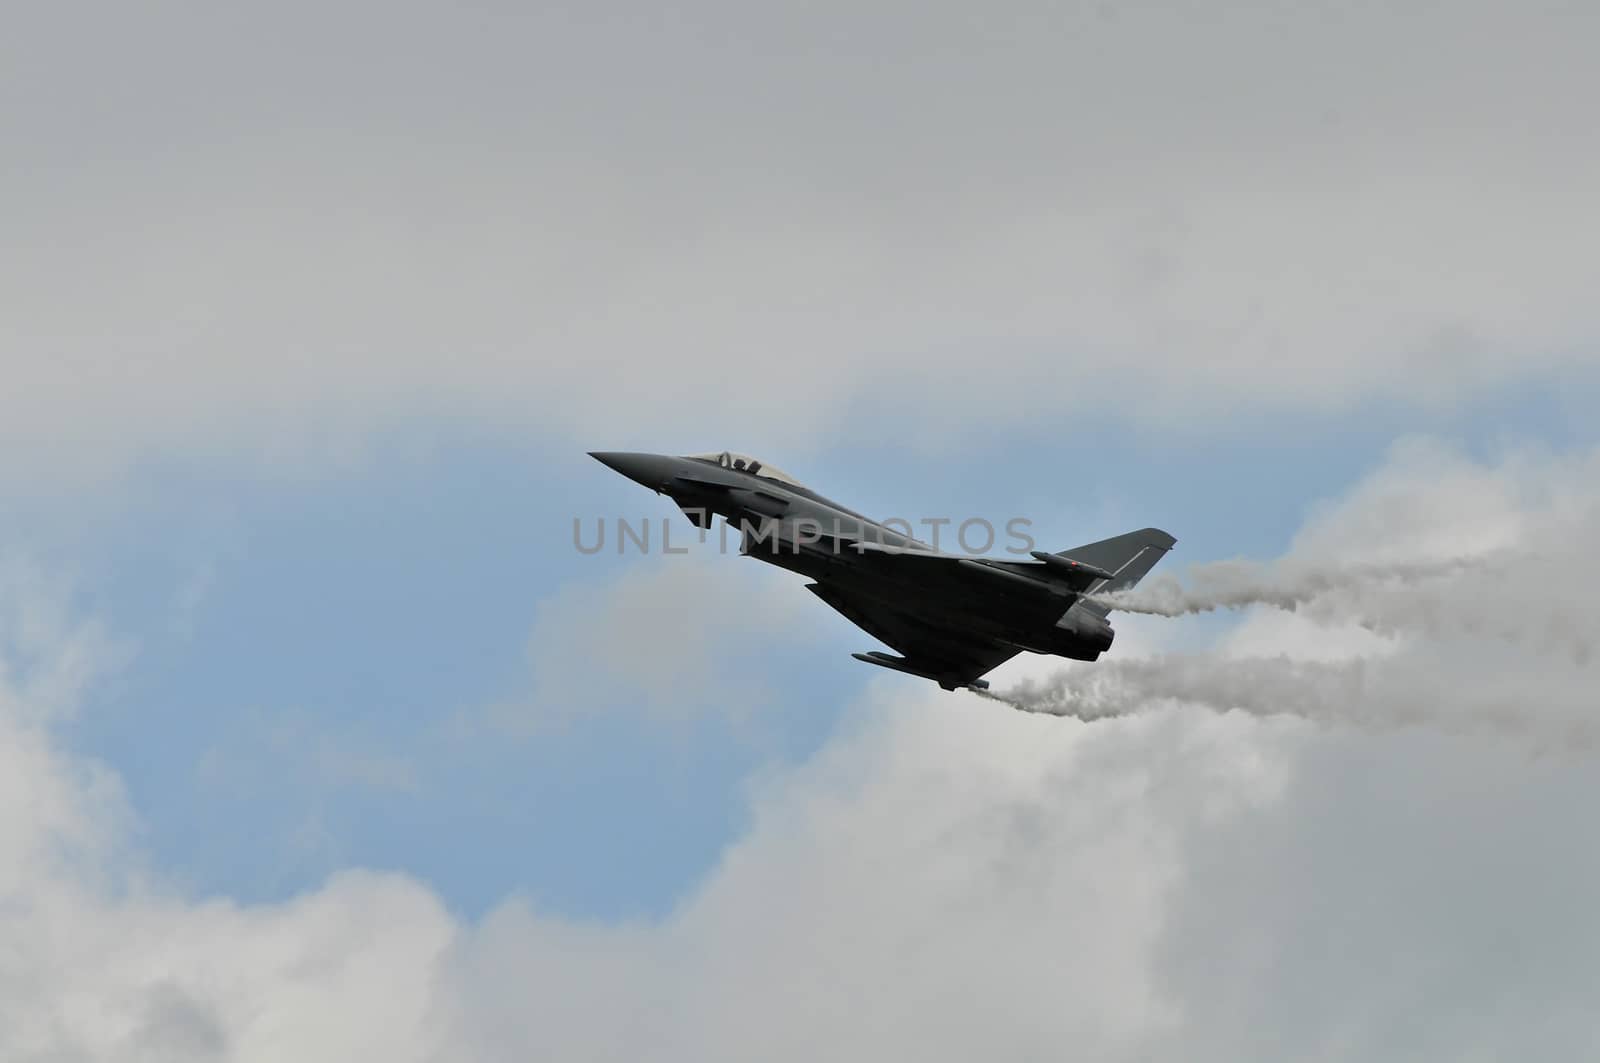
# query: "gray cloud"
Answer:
x=952 y=883
x=177 y=1030
x=279 y=234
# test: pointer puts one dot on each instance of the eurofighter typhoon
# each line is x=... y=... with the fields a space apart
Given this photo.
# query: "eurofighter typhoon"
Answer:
x=951 y=617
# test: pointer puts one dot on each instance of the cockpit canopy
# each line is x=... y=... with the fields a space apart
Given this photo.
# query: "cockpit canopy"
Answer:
x=743 y=462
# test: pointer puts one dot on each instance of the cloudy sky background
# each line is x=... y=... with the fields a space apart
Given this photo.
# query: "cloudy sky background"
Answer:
x=319 y=740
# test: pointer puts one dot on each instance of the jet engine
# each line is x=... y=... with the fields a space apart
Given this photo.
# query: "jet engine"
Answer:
x=1089 y=630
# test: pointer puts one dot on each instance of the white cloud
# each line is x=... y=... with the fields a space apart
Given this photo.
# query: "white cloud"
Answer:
x=100 y=960
x=667 y=639
x=787 y=224
x=945 y=880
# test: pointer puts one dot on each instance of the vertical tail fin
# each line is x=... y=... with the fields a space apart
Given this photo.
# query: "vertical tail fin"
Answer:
x=1127 y=557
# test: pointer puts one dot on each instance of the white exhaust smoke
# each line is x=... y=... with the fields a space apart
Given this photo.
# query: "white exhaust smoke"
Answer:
x=1237 y=584
x=1367 y=693
x=1527 y=600
x=1262 y=687
x=1491 y=642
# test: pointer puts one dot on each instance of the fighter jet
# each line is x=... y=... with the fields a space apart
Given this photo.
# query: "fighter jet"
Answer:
x=951 y=617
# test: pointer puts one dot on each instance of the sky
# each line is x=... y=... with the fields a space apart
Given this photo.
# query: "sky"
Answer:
x=319 y=738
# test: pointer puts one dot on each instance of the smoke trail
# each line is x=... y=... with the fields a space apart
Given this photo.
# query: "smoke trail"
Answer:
x=1236 y=584
x=1530 y=600
x=1260 y=686
x=1365 y=693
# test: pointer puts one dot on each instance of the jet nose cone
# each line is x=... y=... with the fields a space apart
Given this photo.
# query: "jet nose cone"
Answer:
x=647 y=469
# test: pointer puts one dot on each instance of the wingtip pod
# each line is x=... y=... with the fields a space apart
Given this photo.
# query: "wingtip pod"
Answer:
x=1069 y=566
x=900 y=664
x=1129 y=556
